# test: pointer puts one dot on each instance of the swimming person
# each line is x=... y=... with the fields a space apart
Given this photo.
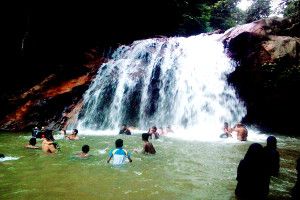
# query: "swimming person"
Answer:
x=32 y=143
x=49 y=146
x=119 y=154
x=73 y=135
x=2 y=155
x=85 y=150
x=153 y=131
x=124 y=130
x=148 y=147
x=226 y=131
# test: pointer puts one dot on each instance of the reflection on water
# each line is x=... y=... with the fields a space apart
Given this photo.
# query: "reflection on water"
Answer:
x=179 y=170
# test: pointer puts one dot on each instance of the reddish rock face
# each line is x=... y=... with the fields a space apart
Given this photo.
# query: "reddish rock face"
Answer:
x=54 y=100
x=267 y=76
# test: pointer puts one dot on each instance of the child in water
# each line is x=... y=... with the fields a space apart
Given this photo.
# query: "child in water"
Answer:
x=148 y=147
x=119 y=154
x=85 y=150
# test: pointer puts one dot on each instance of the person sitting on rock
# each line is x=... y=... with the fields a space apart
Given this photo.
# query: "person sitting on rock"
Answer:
x=242 y=132
x=124 y=130
x=32 y=143
x=73 y=135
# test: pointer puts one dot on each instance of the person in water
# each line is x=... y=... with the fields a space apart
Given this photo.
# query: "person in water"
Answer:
x=31 y=144
x=49 y=146
x=85 y=151
x=73 y=135
x=296 y=188
x=124 y=130
x=153 y=132
x=119 y=154
x=41 y=133
x=35 y=132
x=251 y=175
x=271 y=159
x=226 y=131
x=2 y=155
x=241 y=131
x=147 y=147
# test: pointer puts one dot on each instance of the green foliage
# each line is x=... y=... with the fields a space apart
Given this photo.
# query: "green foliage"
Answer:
x=258 y=10
x=199 y=16
x=225 y=14
x=292 y=10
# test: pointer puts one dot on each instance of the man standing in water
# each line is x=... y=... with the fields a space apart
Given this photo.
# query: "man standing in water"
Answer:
x=241 y=131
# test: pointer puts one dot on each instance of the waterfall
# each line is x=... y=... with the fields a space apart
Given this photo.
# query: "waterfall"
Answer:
x=178 y=82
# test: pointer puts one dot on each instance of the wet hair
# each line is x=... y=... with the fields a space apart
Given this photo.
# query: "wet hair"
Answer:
x=226 y=124
x=119 y=143
x=75 y=131
x=32 y=141
x=145 y=136
x=2 y=155
x=271 y=141
x=85 y=148
x=154 y=127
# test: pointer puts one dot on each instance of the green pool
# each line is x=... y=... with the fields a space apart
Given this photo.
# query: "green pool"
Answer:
x=180 y=170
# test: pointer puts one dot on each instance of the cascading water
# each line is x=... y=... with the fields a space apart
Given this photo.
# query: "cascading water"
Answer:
x=179 y=82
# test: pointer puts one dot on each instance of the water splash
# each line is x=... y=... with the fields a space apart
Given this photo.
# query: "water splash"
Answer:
x=164 y=81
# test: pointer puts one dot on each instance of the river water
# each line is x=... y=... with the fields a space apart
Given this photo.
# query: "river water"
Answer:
x=180 y=170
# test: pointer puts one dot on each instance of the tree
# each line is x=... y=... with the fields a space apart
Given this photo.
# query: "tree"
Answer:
x=292 y=10
x=258 y=10
x=225 y=14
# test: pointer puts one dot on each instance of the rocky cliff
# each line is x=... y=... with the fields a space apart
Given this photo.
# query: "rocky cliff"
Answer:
x=267 y=76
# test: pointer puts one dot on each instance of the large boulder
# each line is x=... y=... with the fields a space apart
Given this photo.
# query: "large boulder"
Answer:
x=267 y=76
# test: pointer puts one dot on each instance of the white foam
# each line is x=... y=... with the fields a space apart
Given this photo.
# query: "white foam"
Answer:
x=8 y=158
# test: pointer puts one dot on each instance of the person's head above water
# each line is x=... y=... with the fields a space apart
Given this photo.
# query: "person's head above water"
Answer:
x=119 y=143
x=85 y=148
x=32 y=141
x=272 y=142
x=153 y=128
x=75 y=131
x=124 y=126
x=2 y=155
x=145 y=137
